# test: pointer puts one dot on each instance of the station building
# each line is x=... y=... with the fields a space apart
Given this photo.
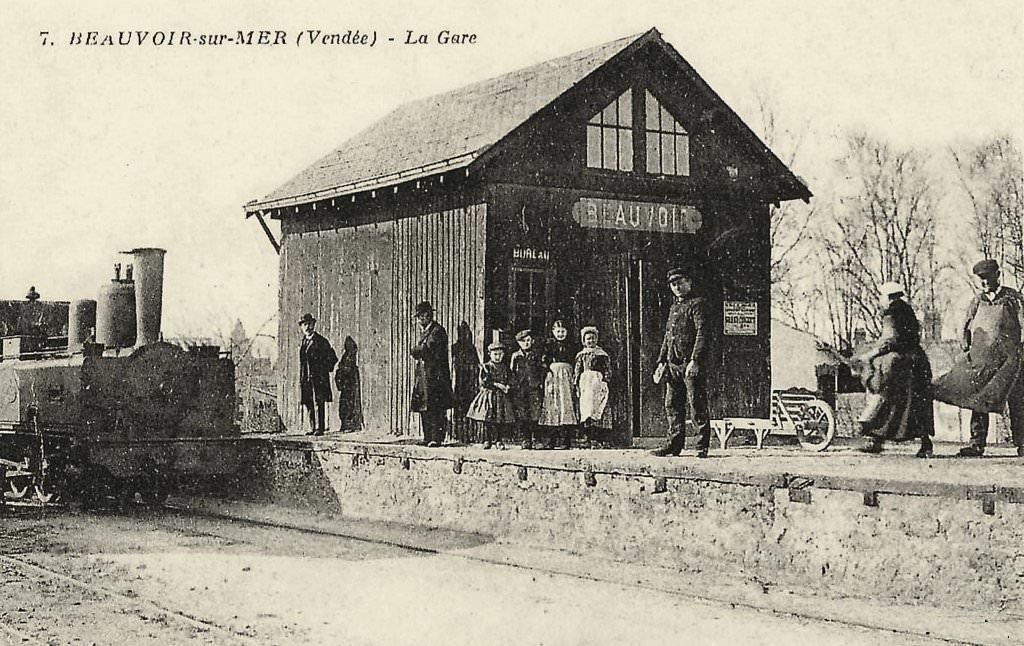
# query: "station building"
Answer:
x=566 y=189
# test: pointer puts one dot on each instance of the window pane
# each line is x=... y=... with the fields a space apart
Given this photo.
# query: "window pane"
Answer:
x=652 y=111
x=679 y=128
x=522 y=286
x=653 y=154
x=594 y=146
x=608 y=114
x=626 y=109
x=682 y=155
x=668 y=153
x=626 y=150
x=609 y=149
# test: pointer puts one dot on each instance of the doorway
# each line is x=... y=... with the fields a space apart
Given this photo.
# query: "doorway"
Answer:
x=629 y=303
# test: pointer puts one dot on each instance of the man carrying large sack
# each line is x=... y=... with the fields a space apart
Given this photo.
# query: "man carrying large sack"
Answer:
x=988 y=377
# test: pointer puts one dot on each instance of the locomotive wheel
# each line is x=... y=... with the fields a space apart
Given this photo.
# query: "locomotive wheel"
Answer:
x=817 y=426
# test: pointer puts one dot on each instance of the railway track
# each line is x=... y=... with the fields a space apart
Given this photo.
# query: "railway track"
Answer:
x=197 y=624
x=706 y=599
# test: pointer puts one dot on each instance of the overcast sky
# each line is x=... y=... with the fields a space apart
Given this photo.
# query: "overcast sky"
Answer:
x=108 y=148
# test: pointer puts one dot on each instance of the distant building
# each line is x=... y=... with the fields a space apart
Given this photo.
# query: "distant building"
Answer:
x=42 y=325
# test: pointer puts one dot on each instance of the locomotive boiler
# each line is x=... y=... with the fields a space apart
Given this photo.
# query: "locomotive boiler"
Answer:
x=118 y=411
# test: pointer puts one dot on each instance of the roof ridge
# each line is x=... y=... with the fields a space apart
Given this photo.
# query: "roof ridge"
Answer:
x=549 y=62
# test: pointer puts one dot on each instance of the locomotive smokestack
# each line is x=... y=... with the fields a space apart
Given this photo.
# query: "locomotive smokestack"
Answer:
x=149 y=292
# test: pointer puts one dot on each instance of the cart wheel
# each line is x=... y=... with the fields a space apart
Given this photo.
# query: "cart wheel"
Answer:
x=816 y=426
x=17 y=492
x=46 y=494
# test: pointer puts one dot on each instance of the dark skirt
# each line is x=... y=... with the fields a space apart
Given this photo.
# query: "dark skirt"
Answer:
x=900 y=398
x=491 y=405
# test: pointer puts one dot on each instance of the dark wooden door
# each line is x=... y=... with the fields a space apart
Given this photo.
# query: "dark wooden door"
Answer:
x=654 y=301
x=627 y=299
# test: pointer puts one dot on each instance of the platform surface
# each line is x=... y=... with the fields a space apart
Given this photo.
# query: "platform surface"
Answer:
x=842 y=467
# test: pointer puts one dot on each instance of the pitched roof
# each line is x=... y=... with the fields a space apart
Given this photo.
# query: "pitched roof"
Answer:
x=441 y=132
x=450 y=130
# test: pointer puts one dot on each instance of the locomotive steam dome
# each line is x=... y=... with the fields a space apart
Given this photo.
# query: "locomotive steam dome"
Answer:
x=115 y=311
x=129 y=308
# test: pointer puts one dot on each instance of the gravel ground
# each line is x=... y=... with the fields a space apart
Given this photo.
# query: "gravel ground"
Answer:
x=172 y=578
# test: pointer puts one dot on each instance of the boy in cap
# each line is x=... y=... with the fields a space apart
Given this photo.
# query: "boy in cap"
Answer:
x=528 y=371
x=988 y=377
x=316 y=361
x=682 y=363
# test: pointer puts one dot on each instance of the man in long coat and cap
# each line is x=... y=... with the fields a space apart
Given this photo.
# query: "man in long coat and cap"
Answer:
x=988 y=377
x=683 y=364
x=432 y=390
x=316 y=361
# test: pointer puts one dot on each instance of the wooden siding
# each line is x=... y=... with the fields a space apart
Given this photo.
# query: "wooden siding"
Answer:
x=438 y=257
x=344 y=278
x=364 y=282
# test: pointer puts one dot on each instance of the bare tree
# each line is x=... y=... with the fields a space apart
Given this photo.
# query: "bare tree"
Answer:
x=992 y=176
x=880 y=228
x=790 y=220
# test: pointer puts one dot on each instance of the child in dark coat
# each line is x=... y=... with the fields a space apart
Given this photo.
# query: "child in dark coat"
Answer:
x=529 y=371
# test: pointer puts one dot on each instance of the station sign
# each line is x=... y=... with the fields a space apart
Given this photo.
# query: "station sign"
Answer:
x=739 y=318
x=626 y=215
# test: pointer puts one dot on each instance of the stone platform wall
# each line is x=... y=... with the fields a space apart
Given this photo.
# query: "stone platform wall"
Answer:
x=955 y=546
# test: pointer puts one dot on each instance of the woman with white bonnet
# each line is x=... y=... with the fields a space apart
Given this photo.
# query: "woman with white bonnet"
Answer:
x=898 y=379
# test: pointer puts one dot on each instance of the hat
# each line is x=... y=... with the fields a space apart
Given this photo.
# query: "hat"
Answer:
x=987 y=267
x=497 y=345
x=307 y=318
x=679 y=272
x=890 y=288
x=522 y=334
x=424 y=308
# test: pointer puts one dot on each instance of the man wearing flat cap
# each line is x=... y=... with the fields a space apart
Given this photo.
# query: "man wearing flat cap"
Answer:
x=432 y=390
x=682 y=364
x=988 y=377
x=316 y=361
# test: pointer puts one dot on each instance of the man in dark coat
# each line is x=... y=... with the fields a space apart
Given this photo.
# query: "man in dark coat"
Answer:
x=432 y=390
x=316 y=361
x=682 y=365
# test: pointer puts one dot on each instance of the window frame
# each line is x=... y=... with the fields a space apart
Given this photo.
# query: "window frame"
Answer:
x=638 y=93
x=535 y=310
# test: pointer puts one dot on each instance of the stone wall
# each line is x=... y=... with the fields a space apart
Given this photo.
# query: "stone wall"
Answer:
x=836 y=535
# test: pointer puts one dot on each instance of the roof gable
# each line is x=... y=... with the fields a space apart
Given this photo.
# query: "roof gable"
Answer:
x=454 y=129
x=440 y=132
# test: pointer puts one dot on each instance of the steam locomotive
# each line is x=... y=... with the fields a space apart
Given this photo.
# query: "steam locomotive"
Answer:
x=116 y=412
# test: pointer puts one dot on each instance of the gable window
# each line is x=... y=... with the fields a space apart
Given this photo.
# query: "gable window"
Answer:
x=610 y=135
x=658 y=145
x=668 y=144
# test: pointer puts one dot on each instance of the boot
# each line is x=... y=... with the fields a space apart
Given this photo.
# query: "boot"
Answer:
x=872 y=445
x=675 y=445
